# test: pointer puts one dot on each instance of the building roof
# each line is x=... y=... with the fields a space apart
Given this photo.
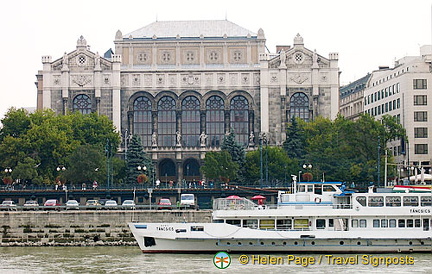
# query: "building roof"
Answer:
x=354 y=87
x=195 y=28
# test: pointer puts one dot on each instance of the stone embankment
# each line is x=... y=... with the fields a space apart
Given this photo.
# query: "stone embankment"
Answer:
x=84 y=228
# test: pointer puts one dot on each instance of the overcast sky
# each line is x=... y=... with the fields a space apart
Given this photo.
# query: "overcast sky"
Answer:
x=366 y=34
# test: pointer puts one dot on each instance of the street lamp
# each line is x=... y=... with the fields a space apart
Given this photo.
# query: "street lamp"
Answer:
x=62 y=168
x=307 y=166
x=8 y=170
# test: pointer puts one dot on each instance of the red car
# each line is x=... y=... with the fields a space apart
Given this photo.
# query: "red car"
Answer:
x=52 y=202
x=164 y=203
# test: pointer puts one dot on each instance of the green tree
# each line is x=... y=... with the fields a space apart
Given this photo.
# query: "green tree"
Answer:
x=237 y=153
x=219 y=166
x=279 y=166
x=84 y=165
x=25 y=171
x=136 y=160
x=294 y=144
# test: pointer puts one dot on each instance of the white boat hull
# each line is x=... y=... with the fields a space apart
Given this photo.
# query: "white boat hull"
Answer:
x=166 y=238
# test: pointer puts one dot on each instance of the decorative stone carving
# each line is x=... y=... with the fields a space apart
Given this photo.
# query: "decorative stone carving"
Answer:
x=81 y=80
x=299 y=78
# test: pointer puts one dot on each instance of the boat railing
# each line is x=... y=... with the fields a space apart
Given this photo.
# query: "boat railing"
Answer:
x=233 y=204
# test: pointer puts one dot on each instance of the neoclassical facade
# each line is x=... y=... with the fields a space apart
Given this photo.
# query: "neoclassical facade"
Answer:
x=182 y=85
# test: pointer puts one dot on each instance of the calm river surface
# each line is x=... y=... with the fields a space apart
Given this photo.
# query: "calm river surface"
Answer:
x=131 y=260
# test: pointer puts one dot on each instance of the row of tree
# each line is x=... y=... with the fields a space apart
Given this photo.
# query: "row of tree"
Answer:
x=339 y=150
x=36 y=146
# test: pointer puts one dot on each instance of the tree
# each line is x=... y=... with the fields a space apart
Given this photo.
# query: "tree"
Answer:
x=25 y=171
x=280 y=166
x=294 y=143
x=237 y=153
x=85 y=165
x=137 y=158
x=219 y=166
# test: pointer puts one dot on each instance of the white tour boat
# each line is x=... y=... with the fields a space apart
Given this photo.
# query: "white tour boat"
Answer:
x=316 y=217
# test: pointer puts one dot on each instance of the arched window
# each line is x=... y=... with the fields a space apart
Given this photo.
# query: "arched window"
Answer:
x=299 y=106
x=240 y=118
x=215 y=120
x=167 y=171
x=166 y=122
x=190 y=121
x=143 y=120
x=82 y=103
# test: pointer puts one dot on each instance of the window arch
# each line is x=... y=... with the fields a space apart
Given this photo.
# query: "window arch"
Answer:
x=240 y=118
x=299 y=106
x=142 y=122
x=190 y=121
x=166 y=121
x=215 y=120
x=82 y=103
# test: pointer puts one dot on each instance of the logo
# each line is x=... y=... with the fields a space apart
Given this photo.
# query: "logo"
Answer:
x=222 y=260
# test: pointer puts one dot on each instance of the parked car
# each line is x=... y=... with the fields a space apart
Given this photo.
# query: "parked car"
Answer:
x=52 y=203
x=164 y=203
x=110 y=204
x=72 y=204
x=93 y=204
x=8 y=205
x=31 y=205
x=128 y=204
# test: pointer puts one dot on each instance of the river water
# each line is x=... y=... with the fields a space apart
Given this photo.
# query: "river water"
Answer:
x=129 y=259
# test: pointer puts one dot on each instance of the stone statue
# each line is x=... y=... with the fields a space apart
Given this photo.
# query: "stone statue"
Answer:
x=97 y=61
x=203 y=138
x=65 y=61
x=251 y=138
x=154 y=139
x=282 y=57
x=178 y=137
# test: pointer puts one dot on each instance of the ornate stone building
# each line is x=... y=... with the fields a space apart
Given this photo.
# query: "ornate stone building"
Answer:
x=181 y=85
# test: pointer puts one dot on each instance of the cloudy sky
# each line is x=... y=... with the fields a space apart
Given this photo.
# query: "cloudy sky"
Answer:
x=366 y=34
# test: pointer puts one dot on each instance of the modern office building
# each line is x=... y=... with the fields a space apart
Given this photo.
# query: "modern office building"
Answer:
x=403 y=92
x=351 y=103
x=182 y=85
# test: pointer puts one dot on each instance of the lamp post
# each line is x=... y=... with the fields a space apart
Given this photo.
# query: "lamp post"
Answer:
x=144 y=169
x=8 y=170
x=307 y=166
x=63 y=168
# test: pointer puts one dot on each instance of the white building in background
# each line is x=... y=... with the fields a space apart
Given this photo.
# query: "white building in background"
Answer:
x=405 y=93
x=181 y=85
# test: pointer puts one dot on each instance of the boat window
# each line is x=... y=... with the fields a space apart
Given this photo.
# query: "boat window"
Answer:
x=267 y=224
x=393 y=201
x=197 y=228
x=401 y=223
x=320 y=223
x=301 y=188
x=328 y=188
x=426 y=201
x=392 y=223
x=410 y=201
x=301 y=224
x=354 y=223
x=361 y=200
x=331 y=223
x=310 y=188
x=318 y=189
x=250 y=223
x=384 y=223
x=284 y=224
x=410 y=223
x=363 y=223
x=180 y=230
x=233 y=222
x=376 y=223
x=417 y=223
x=376 y=201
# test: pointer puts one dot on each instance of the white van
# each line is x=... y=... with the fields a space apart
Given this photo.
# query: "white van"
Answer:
x=187 y=200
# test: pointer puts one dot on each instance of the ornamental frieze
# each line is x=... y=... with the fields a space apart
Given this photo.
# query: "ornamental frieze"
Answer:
x=82 y=80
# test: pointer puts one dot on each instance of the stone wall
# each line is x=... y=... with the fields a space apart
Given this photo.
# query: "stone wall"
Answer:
x=97 y=227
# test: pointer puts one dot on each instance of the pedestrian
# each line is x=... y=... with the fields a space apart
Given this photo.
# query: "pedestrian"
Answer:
x=95 y=185
x=83 y=186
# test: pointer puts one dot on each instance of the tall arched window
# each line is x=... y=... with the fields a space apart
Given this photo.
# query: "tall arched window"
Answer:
x=143 y=120
x=82 y=103
x=190 y=121
x=166 y=122
x=240 y=118
x=215 y=120
x=299 y=106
